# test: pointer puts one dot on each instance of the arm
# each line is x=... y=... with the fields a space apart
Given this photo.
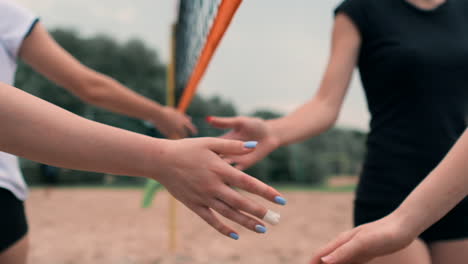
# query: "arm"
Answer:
x=190 y=169
x=41 y=51
x=312 y=118
x=444 y=187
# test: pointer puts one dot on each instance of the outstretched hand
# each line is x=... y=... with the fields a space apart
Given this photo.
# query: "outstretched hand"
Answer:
x=246 y=128
x=174 y=124
x=366 y=242
x=200 y=179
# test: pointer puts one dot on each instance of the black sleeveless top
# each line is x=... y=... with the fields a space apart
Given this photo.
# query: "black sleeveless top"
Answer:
x=414 y=69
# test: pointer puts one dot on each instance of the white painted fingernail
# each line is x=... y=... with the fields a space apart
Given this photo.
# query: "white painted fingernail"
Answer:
x=272 y=217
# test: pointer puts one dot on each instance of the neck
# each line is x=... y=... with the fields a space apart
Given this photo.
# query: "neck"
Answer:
x=427 y=4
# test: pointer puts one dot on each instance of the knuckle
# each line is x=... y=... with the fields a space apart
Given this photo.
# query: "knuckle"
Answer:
x=211 y=191
x=250 y=223
x=237 y=203
x=245 y=182
x=224 y=230
x=259 y=211
x=226 y=212
x=218 y=169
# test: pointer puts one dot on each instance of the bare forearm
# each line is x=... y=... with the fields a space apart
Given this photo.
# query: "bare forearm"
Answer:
x=309 y=120
x=446 y=186
x=40 y=131
x=107 y=93
x=41 y=51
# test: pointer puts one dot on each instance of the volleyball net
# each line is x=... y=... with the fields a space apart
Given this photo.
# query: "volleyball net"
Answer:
x=196 y=34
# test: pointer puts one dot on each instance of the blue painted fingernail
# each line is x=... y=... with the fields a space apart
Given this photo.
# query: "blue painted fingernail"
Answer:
x=280 y=200
x=250 y=144
x=234 y=236
x=260 y=229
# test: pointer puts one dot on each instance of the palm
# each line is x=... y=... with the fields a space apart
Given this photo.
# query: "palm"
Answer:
x=249 y=129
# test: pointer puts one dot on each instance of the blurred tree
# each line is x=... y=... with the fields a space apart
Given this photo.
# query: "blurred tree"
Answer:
x=200 y=108
x=131 y=63
x=336 y=152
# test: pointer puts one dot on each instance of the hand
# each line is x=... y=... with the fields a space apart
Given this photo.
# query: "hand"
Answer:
x=366 y=242
x=199 y=178
x=247 y=128
x=174 y=124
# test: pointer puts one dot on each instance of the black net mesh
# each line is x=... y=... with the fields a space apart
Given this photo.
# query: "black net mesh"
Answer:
x=194 y=22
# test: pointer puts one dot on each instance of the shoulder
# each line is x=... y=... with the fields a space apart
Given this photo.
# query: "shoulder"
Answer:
x=363 y=13
x=15 y=24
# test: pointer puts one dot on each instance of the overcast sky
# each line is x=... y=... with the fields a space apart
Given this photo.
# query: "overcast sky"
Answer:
x=273 y=56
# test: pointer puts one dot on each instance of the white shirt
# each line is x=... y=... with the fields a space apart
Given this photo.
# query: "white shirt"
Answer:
x=15 y=24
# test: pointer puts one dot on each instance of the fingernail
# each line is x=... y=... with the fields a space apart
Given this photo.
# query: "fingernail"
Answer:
x=234 y=236
x=280 y=200
x=272 y=217
x=260 y=229
x=327 y=259
x=250 y=144
x=208 y=119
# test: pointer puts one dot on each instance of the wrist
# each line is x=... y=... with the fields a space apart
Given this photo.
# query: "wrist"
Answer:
x=275 y=138
x=408 y=222
x=157 y=157
x=157 y=112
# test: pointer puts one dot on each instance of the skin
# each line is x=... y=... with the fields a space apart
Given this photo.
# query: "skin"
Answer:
x=318 y=115
x=47 y=57
x=444 y=187
x=315 y=116
x=190 y=169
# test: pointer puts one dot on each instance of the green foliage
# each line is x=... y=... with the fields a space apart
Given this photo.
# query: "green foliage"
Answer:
x=200 y=108
x=336 y=152
x=132 y=63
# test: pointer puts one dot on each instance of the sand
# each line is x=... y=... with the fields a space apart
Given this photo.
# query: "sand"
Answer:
x=108 y=226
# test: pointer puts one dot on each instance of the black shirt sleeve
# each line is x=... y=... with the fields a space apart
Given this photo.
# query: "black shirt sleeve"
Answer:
x=355 y=10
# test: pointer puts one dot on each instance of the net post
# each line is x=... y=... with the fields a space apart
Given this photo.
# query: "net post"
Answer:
x=170 y=101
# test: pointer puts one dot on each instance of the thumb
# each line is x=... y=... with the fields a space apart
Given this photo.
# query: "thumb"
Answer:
x=224 y=122
x=231 y=147
x=348 y=253
x=331 y=247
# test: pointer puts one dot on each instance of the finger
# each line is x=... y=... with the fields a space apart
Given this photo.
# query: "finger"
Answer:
x=331 y=246
x=210 y=218
x=228 y=135
x=238 y=202
x=231 y=147
x=191 y=128
x=224 y=122
x=238 y=217
x=351 y=252
x=243 y=162
x=254 y=186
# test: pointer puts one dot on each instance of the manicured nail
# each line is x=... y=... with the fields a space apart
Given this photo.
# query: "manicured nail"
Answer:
x=250 y=144
x=272 y=217
x=208 y=119
x=260 y=229
x=280 y=200
x=234 y=236
x=327 y=259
